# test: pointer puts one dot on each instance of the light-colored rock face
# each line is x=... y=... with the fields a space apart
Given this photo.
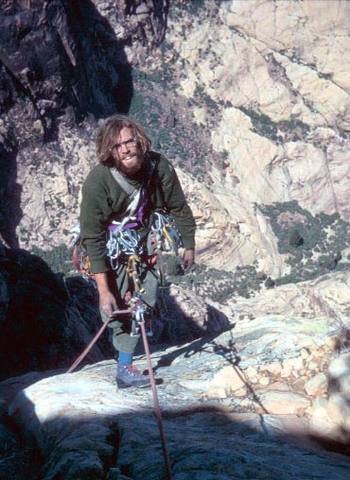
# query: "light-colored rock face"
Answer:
x=267 y=91
x=270 y=378
x=277 y=74
x=279 y=119
x=301 y=30
x=271 y=94
x=51 y=187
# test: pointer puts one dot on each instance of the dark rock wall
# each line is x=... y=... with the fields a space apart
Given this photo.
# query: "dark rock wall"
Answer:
x=60 y=55
x=57 y=56
x=10 y=190
x=45 y=322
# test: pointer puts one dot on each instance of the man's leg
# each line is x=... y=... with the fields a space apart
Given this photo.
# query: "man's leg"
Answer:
x=121 y=339
x=127 y=374
x=121 y=326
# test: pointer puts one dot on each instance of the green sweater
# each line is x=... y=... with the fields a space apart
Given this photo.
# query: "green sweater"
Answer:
x=103 y=200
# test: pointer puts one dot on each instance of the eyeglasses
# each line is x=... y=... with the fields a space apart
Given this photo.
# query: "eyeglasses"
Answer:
x=131 y=142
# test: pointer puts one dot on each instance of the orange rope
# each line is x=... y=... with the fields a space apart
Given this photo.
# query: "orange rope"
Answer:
x=156 y=401
x=93 y=341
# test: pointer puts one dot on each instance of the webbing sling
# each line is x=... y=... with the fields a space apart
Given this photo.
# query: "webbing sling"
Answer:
x=129 y=189
x=132 y=192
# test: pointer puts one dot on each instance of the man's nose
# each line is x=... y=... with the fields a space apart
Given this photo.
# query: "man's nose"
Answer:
x=124 y=147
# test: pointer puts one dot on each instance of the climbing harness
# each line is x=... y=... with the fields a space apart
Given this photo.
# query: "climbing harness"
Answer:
x=122 y=236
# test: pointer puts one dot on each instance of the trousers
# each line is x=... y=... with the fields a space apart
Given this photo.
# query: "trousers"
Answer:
x=122 y=283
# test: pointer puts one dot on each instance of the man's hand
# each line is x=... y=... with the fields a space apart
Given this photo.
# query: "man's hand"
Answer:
x=108 y=303
x=188 y=258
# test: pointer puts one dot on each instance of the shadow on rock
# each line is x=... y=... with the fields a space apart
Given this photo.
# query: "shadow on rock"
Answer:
x=57 y=59
x=19 y=454
x=46 y=321
x=183 y=316
x=211 y=344
x=105 y=437
x=43 y=325
x=10 y=190
x=102 y=76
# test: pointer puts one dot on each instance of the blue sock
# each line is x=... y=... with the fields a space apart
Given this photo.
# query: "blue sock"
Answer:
x=125 y=358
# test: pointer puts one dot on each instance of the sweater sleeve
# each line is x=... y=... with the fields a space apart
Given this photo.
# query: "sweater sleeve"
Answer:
x=94 y=213
x=175 y=202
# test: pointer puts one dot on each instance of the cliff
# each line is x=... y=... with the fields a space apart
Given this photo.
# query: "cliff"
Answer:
x=250 y=101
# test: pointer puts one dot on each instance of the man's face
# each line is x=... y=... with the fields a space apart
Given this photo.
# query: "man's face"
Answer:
x=126 y=154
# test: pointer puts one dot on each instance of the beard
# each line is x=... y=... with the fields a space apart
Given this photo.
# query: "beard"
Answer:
x=131 y=163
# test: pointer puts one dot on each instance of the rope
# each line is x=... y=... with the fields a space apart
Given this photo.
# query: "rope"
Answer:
x=138 y=317
x=156 y=401
x=93 y=341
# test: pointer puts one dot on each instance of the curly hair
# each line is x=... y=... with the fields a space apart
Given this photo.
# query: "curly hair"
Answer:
x=110 y=130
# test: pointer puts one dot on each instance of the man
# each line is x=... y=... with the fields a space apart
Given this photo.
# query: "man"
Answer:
x=122 y=145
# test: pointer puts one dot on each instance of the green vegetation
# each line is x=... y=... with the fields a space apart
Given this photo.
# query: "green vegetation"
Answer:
x=219 y=285
x=313 y=243
x=291 y=130
x=193 y=6
x=201 y=98
x=168 y=121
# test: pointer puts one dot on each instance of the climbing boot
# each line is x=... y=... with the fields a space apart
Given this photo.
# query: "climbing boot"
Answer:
x=130 y=376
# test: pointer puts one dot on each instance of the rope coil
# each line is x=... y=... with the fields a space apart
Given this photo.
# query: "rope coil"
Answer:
x=124 y=241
